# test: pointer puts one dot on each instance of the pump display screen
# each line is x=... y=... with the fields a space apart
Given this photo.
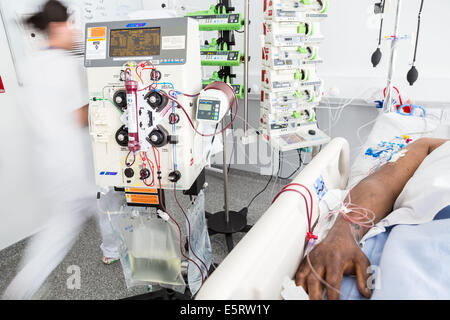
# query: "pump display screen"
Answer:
x=140 y=42
x=208 y=110
x=205 y=105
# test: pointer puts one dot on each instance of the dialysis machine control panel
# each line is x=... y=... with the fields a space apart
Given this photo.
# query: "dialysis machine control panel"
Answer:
x=139 y=72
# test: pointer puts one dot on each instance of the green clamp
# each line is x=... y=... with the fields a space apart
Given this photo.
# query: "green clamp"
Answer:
x=299 y=94
x=315 y=55
x=215 y=76
x=302 y=75
x=325 y=7
x=301 y=28
x=296 y=115
x=302 y=50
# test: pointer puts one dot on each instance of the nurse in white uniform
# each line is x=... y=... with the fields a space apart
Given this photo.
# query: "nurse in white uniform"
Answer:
x=56 y=105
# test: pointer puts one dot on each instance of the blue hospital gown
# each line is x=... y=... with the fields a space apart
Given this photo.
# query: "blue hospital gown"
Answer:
x=413 y=262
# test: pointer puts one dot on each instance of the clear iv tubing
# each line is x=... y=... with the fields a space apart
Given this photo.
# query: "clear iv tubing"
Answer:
x=160 y=186
x=134 y=159
x=189 y=231
x=170 y=216
x=311 y=238
x=187 y=219
x=151 y=167
x=235 y=101
x=364 y=218
x=359 y=216
x=103 y=211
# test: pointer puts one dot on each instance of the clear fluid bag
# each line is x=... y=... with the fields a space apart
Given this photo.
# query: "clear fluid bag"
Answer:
x=149 y=246
x=150 y=254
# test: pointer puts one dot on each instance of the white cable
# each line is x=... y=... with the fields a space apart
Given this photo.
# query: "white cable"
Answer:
x=363 y=126
x=340 y=109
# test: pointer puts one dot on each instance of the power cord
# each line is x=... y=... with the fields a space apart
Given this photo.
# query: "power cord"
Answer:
x=300 y=163
x=267 y=185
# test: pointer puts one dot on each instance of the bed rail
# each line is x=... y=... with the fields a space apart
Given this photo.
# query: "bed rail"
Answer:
x=273 y=248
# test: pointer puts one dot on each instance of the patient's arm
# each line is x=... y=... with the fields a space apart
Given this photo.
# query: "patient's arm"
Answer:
x=338 y=253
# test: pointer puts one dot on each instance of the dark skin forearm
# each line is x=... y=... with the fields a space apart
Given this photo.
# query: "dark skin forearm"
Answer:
x=339 y=253
x=378 y=192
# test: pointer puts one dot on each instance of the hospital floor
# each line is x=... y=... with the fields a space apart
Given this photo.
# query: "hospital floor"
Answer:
x=99 y=281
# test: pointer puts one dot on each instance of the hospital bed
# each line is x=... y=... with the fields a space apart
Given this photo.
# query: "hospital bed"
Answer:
x=274 y=248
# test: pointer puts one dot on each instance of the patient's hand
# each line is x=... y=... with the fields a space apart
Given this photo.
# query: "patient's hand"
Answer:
x=336 y=255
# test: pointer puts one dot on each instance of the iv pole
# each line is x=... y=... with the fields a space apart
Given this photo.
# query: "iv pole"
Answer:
x=388 y=107
x=229 y=222
x=246 y=63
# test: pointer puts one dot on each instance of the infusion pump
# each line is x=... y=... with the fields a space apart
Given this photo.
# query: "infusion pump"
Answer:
x=136 y=70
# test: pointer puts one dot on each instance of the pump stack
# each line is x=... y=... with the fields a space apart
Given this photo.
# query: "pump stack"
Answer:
x=291 y=88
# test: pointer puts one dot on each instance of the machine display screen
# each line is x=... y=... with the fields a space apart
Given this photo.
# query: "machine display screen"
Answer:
x=205 y=105
x=140 y=42
x=208 y=110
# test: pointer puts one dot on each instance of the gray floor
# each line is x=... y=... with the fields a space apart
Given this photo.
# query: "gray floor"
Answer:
x=99 y=281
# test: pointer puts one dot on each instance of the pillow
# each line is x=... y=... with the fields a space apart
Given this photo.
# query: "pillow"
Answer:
x=387 y=127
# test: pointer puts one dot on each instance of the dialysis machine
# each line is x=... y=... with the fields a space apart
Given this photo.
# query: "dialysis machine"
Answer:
x=140 y=73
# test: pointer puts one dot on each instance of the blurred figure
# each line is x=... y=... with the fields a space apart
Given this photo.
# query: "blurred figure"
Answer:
x=56 y=104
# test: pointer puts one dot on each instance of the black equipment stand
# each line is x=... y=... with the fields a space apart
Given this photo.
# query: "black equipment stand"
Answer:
x=227 y=222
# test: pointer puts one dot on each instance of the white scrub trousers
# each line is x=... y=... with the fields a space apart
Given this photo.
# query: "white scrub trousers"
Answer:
x=48 y=248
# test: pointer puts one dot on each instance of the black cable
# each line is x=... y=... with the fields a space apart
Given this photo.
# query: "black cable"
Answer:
x=413 y=74
x=381 y=31
x=280 y=163
x=418 y=31
x=383 y=4
x=212 y=141
x=267 y=185
x=300 y=163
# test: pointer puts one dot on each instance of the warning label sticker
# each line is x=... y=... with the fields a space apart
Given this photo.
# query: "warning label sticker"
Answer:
x=97 y=32
x=141 y=190
x=143 y=199
x=173 y=43
x=96 y=43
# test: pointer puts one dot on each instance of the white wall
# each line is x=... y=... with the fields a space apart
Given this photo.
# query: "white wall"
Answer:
x=18 y=201
x=351 y=36
x=350 y=43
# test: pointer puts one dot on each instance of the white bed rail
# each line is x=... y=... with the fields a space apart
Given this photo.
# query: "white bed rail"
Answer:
x=273 y=248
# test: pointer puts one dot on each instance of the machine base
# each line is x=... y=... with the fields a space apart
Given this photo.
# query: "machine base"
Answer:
x=237 y=223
